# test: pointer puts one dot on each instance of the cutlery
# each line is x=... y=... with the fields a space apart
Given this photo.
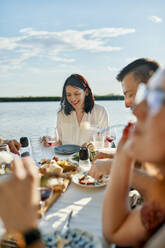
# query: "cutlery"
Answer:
x=67 y=223
x=87 y=126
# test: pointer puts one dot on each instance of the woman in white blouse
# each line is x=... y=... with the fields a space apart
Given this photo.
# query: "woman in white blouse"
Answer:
x=78 y=106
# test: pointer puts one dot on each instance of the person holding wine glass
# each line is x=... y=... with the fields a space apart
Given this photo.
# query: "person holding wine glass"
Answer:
x=78 y=106
x=139 y=70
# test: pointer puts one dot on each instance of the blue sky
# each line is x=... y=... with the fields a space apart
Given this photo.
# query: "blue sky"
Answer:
x=42 y=42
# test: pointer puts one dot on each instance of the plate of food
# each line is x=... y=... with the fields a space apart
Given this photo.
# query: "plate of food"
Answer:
x=66 y=149
x=84 y=180
x=72 y=238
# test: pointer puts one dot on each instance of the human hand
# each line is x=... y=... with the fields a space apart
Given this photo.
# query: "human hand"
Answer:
x=14 y=146
x=125 y=136
x=123 y=156
x=20 y=197
x=45 y=143
x=89 y=145
x=100 y=168
x=102 y=155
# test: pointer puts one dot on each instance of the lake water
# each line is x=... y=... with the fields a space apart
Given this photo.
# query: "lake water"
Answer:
x=32 y=118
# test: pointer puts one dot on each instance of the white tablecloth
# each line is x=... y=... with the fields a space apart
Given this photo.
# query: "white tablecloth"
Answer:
x=85 y=203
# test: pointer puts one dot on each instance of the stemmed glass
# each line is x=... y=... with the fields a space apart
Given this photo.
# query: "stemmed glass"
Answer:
x=5 y=167
x=51 y=136
x=4 y=147
x=45 y=194
x=111 y=135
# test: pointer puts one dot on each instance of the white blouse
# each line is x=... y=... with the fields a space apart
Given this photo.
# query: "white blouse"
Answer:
x=69 y=130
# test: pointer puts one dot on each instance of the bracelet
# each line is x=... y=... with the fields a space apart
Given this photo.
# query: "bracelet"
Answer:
x=23 y=240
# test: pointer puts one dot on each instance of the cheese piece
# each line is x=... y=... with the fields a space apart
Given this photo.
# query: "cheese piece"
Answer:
x=54 y=167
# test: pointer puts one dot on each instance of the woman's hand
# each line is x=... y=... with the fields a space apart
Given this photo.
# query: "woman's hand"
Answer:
x=20 y=196
x=44 y=141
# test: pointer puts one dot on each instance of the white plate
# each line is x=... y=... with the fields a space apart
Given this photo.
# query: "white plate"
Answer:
x=72 y=238
x=76 y=177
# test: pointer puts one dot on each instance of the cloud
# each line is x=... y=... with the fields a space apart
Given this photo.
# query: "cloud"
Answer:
x=109 y=32
x=54 y=46
x=112 y=69
x=155 y=19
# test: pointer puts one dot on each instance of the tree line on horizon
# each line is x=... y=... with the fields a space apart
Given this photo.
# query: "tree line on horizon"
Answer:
x=56 y=98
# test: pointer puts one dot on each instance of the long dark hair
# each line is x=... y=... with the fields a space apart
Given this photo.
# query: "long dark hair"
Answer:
x=78 y=81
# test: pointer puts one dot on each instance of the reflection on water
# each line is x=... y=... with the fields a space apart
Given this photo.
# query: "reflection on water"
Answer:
x=32 y=118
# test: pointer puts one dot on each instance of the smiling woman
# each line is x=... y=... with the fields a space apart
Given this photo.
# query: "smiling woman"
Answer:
x=77 y=106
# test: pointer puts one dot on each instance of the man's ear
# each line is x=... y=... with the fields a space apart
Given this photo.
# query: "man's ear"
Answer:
x=151 y=73
x=87 y=92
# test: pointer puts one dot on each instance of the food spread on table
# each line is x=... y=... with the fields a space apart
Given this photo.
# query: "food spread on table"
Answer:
x=57 y=166
x=57 y=175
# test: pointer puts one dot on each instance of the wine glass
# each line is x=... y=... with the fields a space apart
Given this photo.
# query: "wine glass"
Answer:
x=98 y=140
x=36 y=148
x=45 y=194
x=6 y=166
x=51 y=136
x=4 y=147
x=111 y=136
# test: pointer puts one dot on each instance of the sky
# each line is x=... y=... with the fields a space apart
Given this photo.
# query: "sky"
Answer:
x=42 y=42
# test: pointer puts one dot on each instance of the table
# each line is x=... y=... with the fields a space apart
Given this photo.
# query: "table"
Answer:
x=85 y=203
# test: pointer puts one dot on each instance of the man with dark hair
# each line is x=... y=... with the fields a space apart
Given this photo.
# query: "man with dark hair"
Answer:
x=140 y=70
x=130 y=76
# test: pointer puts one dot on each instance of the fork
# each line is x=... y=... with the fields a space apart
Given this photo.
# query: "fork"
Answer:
x=67 y=223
